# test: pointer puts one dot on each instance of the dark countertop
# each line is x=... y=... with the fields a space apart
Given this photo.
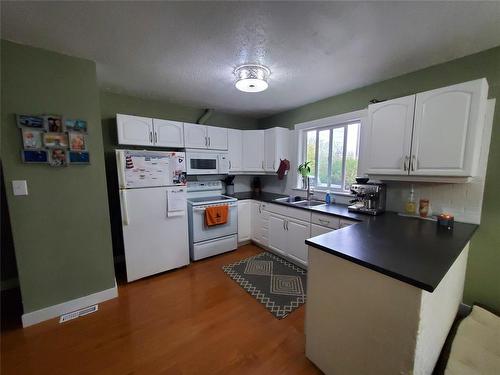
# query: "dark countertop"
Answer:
x=333 y=209
x=408 y=249
x=264 y=197
x=338 y=210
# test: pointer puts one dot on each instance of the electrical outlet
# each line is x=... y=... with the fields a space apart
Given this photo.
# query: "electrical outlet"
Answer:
x=19 y=187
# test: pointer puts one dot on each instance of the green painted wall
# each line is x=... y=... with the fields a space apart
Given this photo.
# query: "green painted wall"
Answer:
x=61 y=229
x=483 y=276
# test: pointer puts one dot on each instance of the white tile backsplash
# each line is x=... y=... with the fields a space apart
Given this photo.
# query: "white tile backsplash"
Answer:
x=242 y=183
x=463 y=201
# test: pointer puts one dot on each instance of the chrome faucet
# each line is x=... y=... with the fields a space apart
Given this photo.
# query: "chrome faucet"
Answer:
x=309 y=193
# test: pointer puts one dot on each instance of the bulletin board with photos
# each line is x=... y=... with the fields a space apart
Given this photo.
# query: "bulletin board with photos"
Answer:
x=53 y=140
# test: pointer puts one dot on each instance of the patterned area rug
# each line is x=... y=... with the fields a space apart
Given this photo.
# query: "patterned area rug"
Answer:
x=276 y=283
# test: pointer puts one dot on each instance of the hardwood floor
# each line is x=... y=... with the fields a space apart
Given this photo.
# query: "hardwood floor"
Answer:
x=195 y=320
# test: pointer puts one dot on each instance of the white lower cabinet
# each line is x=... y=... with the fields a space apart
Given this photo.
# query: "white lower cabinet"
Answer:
x=244 y=220
x=287 y=237
x=283 y=229
x=277 y=241
x=297 y=232
x=260 y=219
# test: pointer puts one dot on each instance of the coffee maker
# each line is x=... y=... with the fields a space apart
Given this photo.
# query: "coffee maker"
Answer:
x=370 y=198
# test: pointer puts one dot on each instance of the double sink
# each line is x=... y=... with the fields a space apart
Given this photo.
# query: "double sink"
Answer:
x=299 y=203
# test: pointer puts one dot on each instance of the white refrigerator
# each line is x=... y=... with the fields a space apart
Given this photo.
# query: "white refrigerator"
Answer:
x=153 y=210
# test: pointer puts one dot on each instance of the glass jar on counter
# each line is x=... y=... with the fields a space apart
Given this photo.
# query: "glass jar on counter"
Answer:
x=424 y=208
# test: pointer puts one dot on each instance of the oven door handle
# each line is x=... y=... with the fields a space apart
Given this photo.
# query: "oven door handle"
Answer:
x=203 y=208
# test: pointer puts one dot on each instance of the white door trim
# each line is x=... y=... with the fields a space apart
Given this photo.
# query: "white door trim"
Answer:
x=54 y=311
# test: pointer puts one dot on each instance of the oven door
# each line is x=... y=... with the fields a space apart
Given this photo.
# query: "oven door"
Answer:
x=202 y=163
x=202 y=232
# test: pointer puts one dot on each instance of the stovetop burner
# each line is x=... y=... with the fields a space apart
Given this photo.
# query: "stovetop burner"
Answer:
x=210 y=199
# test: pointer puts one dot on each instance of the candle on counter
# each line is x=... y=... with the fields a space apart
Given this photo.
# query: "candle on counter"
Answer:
x=445 y=220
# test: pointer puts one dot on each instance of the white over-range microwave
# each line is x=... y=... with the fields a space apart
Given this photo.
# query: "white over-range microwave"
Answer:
x=206 y=162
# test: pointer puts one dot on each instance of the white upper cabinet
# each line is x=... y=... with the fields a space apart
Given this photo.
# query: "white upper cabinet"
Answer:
x=134 y=130
x=217 y=138
x=235 y=149
x=203 y=136
x=195 y=136
x=435 y=133
x=276 y=141
x=253 y=150
x=168 y=133
x=448 y=129
x=389 y=136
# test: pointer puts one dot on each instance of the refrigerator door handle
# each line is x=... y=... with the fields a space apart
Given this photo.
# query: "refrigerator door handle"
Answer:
x=125 y=218
x=121 y=173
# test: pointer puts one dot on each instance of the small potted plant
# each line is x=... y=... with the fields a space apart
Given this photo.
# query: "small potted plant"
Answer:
x=305 y=170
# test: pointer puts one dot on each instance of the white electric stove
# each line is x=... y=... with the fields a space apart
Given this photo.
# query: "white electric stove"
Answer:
x=206 y=241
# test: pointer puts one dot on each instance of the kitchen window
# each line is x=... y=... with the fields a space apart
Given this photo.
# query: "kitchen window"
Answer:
x=333 y=152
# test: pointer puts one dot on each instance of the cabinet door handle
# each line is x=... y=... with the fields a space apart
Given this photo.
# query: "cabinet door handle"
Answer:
x=262 y=164
x=230 y=164
x=413 y=162
x=284 y=225
x=273 y=165
x=324 y=221
x=260 y=210
x=208 y=141
x=287 y=225
x=405 y=166
x=156 y=137
x=150 y=137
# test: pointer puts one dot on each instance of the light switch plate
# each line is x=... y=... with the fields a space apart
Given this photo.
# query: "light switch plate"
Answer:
x=19 y=187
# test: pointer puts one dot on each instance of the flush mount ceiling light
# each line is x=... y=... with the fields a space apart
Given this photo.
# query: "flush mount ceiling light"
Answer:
x=252 y=77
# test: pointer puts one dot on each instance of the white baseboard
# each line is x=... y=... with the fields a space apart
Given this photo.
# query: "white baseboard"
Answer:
x=50 y=312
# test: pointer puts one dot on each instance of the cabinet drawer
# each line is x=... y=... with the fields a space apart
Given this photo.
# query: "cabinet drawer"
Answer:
x=346 y=222
x=276 y=209
x=329 y=221
x=294 y=213
x=297 y=213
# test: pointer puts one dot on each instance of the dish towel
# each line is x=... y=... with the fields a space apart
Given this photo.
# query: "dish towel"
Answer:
x=216 y=215
x=283 y=168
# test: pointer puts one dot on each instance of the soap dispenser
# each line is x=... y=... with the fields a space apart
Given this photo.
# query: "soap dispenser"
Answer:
x=328 y=197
